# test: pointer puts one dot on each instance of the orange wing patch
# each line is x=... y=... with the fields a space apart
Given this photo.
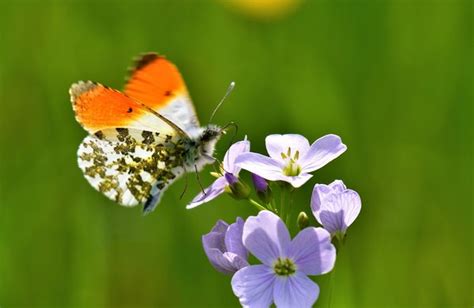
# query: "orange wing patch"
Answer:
x=98 y=107
x=155 y=81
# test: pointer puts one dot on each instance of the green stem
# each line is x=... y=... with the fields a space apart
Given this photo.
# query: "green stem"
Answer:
x=257 y=205
x=339 y=243
x=275 y=206
x=282 y=204
x=332 y=280
x=270 y=207
x=290 y=206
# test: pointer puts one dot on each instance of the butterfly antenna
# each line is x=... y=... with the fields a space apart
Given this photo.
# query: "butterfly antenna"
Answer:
x=229 y=89
x=236 y=129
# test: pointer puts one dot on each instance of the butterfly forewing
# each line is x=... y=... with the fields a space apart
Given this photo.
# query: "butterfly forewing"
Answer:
x=131 y=166
x=98 y=107
x=157 y=83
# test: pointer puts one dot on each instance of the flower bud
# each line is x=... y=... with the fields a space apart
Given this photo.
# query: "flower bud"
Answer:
x=262 y=188
x=238 y=189
x=302 y=220
x=230 y=178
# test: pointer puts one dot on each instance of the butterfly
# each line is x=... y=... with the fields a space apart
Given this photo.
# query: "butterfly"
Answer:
x=142 y=139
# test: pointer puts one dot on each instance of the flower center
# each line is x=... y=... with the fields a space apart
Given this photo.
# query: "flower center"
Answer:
x=291 y=168
x=284 y=267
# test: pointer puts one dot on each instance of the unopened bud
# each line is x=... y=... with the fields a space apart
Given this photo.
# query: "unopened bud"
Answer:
x=230 y=178
x=262 y=188
x=236 y=187
x=259 y=183
x=302 y=220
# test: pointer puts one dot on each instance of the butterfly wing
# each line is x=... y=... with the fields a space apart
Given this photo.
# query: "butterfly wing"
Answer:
x=131 y=166
x=98 y=107
x=157 y=83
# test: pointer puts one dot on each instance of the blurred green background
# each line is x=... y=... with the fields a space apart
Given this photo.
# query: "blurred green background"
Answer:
x=392 y=78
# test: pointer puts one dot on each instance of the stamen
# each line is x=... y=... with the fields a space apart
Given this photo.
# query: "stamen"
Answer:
x=297 y=155
x=215 y=174
x=284 y=267
x=292 y=169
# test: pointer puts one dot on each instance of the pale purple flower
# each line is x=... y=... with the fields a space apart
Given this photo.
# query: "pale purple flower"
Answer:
x=334 y=206
x=224 y=248
x=292 y=158
x=282 y=278
x=229 y=174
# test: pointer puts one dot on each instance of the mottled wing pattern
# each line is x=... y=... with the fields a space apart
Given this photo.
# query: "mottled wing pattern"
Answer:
x=131 y=166
x=157 y=83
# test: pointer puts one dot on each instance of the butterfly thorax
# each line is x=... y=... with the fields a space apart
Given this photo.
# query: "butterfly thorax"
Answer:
x=201 y=146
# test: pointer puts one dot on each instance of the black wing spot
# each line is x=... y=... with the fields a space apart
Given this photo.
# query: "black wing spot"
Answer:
x=122 y=131
x=99 y=134
x=130 y=109
x=168 y=93
x=148 y=137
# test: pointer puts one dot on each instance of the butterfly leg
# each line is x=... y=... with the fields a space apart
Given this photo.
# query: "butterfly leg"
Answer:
x=185 y=184
x=199 y=180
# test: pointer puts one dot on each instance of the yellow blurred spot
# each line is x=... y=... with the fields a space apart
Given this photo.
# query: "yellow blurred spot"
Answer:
x=264 y=9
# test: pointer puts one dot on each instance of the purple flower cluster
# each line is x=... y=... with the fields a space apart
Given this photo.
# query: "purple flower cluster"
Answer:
x=282 y=276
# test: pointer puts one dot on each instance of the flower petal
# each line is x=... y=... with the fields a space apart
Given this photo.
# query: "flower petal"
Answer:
x=211 y=192
x=232 y=153
x=220 y=226
x=236 y=261
x=340 y=211
x=321 y=193
x=296 y=181
x=295 y=291
x=266 y=237
x=277 y=144
x=322 y=151
x=215 y=247
x=215 y=239
x=312 y=251
x=233 y=238
x=351 y=203
x=335 y=207
x=226 y=263
x=337 y=186
x=253 y=285
x=263 y=166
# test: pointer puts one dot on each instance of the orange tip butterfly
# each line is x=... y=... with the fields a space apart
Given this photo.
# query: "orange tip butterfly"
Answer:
x=142 y=139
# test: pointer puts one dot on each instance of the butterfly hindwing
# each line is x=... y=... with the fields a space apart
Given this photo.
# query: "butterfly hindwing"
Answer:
x=131 y=166
x=157 y=83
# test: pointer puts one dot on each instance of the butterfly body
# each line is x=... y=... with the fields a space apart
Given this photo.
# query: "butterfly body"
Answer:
x=141 y=140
